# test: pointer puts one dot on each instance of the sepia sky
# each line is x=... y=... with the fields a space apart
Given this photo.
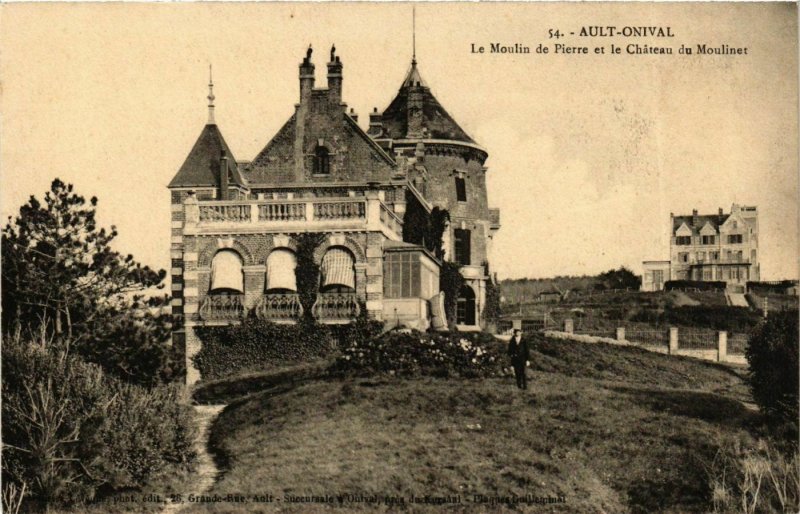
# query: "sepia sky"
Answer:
x=588 y=154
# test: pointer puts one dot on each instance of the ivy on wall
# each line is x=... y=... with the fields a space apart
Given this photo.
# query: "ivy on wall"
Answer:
x=491 y=310
x=425 y=229
x=450 y=283
x=307 y=272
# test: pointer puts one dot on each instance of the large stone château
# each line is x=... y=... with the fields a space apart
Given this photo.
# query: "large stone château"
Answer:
x=236 y=224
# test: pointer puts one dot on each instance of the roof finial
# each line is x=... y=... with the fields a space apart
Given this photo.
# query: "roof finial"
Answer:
x=414 y=35
x=210 y=97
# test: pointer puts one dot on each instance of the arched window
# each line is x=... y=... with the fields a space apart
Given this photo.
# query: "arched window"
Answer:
x=281 y=264
x=338 y=270
x=226 y=273
x=322 y=161
x=465 y=306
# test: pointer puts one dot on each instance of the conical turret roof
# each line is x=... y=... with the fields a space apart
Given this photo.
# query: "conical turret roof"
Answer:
x=435 y=119
x=201 y=167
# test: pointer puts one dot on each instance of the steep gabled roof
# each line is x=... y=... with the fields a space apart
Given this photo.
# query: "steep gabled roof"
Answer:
x=715 y=220
x=201 y=167
x=275 y=164
x=437 y=121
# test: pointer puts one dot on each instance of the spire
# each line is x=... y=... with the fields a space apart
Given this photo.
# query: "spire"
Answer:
x=210 y=98
x=414 y=35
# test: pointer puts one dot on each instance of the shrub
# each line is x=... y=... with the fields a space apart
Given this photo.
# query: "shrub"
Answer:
x=69 y=429
x=412 y=353
x=772 y=355
x=258 y=344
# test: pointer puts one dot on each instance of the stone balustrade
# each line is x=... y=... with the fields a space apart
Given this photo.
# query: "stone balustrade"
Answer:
x=368 y=213
x=390 y=219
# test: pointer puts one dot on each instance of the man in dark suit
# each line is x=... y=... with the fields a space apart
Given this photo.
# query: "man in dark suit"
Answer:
x=519 y=353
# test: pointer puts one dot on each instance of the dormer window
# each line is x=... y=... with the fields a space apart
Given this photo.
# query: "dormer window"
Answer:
x=322 y=161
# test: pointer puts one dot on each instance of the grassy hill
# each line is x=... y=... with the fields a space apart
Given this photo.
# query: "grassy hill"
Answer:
x=609 y=429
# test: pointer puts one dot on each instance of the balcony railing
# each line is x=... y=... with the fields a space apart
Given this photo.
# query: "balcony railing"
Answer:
x=279 y=307
x=336 y=306
x=222 y=307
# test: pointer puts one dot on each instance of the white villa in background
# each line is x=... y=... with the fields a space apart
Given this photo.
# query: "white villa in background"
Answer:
x=709 y=247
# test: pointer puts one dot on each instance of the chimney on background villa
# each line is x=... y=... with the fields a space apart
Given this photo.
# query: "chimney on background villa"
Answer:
x=695 y=220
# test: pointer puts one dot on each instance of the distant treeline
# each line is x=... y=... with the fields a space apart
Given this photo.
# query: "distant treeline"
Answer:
x=527 y=289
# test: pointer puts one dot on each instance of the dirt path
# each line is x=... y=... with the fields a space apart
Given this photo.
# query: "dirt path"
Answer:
x=206 y=468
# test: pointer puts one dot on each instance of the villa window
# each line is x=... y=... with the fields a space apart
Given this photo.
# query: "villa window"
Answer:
x=281 y=265
x=462 y=246
x=461 y=189
x=401 y=275
x=683 y=257
x=226 y=273
x=338 y=271
x=709 y=240
x=735 y=239
x=465 y=306
x=322 y=161
x=683 y=240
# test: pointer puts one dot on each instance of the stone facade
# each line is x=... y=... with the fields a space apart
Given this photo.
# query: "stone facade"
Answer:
x=321 y=173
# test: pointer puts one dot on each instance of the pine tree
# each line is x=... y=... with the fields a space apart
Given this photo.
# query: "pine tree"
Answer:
x=58 y=269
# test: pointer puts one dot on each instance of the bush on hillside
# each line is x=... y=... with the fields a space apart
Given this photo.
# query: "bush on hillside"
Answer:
x=69 y=430
x=412 y=353
x=258 y=344
x=773 y=358
x=718 y=317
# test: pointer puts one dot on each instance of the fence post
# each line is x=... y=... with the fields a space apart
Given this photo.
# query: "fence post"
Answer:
x=569 y=327
x=620 y=333
x=673 y=340
x=722 y=346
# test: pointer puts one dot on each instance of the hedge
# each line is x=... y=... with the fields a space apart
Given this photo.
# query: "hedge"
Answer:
x=260 y=345
x=411 y=353
x=694 y=284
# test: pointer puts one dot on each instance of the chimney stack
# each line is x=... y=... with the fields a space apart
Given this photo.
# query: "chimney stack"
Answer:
x=335 y=78
x=223 y=176
x=306 y=76
x=375 y=123
x=353 y=115
x=695 y=221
